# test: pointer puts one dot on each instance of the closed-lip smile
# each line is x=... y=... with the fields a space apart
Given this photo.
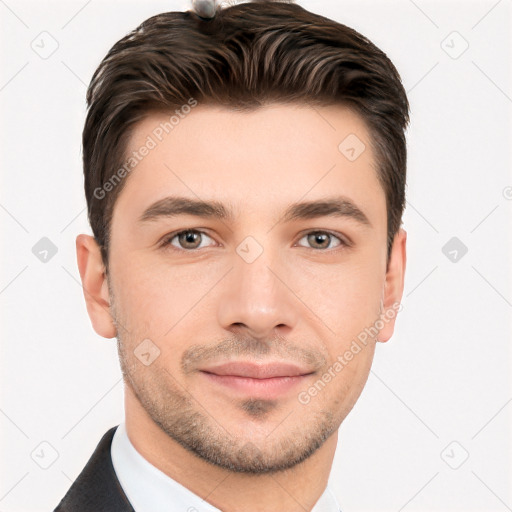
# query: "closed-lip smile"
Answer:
x=257 y=380
x=257 y=371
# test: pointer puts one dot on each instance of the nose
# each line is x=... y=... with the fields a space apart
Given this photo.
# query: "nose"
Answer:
x=258 y=299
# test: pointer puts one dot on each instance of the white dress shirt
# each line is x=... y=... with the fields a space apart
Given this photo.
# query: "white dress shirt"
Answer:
x=148 y=489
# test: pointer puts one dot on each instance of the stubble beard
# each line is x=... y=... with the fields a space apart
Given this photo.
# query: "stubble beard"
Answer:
x=183 y=419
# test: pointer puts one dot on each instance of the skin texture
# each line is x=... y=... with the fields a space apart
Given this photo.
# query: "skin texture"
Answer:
x=302 y=300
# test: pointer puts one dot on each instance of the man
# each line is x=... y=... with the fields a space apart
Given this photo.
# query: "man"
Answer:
x=244 y=173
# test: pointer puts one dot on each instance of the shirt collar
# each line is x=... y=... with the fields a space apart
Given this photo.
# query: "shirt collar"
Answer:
x=149 y=489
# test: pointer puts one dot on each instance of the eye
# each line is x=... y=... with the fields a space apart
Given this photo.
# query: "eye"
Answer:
x=323 y=240
x=188 y=239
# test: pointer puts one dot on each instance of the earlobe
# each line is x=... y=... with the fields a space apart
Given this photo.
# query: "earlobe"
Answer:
x=394 y=285
x=94 y=285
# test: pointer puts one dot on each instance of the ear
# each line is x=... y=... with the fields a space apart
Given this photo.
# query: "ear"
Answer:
x=94 y=285
x=394 y=285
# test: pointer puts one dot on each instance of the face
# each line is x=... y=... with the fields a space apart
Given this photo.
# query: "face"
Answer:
x=247 y=257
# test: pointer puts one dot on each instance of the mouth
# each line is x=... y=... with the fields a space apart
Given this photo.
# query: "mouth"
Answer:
x=264 y=381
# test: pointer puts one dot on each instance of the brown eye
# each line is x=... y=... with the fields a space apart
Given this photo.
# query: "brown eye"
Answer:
x=322 y=240
x=189 y=239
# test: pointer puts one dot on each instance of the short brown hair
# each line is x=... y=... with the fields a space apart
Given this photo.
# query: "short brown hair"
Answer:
x=246 y=56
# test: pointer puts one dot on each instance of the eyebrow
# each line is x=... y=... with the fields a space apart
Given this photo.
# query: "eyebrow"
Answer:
x=339 y=206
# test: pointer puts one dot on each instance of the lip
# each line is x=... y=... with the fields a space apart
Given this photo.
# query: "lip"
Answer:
x=264 y=381
x=257 y=371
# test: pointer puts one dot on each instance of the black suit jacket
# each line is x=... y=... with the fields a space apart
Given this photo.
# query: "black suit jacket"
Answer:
x=97 y=488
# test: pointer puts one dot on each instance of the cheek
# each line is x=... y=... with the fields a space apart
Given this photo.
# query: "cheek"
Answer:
x=345 y=296
x=341 y=383
x=157 y=295
x=356 y=375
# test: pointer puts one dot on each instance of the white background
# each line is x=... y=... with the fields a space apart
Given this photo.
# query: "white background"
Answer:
x=444 y=376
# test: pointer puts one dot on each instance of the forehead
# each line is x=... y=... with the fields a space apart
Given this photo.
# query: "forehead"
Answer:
x=257 y=160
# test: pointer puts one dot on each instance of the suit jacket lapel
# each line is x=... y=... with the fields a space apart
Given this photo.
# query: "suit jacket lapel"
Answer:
x=97 y=488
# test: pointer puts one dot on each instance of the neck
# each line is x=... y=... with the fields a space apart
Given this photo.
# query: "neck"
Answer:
x=295 y=490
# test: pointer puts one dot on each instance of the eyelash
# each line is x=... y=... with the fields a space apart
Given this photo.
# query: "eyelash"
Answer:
x=166 y=243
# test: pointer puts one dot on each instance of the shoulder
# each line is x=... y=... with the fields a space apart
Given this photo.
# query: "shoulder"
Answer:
x=97 y=488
